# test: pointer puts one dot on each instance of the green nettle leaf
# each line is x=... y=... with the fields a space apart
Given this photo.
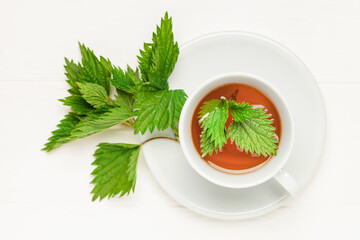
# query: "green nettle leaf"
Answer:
x=74 y=127
x=93 y=70
x=126 y=84
x=157 y=60
x=125 y=81
x=209 y=106
x=251 y=130
x=62 y=134
x=116 y=169
x=100 y=122
x=160 y=109
x=255 y=134
x=240 y=111
x=207 y=145
x=213 y=120
x=134 y=75
x=156 y=105
x=73 y=75
x=94 y=94
x=107 y=64
x=78 y=104
x=145 y=61
x=124 y=99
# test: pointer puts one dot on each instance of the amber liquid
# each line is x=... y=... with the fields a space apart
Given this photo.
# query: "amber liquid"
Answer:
x=232 y=159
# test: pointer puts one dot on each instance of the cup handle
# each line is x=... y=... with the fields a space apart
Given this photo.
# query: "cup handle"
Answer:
x=288 y=182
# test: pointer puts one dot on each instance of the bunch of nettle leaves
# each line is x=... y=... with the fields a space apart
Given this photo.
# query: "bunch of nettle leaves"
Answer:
x=144 y=101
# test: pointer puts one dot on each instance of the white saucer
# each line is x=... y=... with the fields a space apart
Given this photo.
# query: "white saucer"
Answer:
x=218 y=53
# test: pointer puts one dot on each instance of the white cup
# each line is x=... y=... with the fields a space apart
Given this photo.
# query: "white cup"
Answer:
x=273 y=169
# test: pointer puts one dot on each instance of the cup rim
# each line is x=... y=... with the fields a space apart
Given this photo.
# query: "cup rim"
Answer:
x=204 y=169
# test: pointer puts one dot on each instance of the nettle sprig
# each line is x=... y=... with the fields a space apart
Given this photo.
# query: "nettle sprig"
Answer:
x=142 y=101
x=251 y=129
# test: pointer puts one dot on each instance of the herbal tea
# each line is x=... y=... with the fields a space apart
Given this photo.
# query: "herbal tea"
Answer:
x=231 y=158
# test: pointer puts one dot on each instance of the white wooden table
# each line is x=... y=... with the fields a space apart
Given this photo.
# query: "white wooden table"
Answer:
x=46 y=196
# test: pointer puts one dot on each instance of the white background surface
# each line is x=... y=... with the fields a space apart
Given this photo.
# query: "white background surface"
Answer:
x=46 y=196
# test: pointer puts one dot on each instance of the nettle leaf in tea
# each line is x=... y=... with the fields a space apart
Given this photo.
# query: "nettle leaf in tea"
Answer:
x=251 y=129
x=213 y=116
x=236 y=128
